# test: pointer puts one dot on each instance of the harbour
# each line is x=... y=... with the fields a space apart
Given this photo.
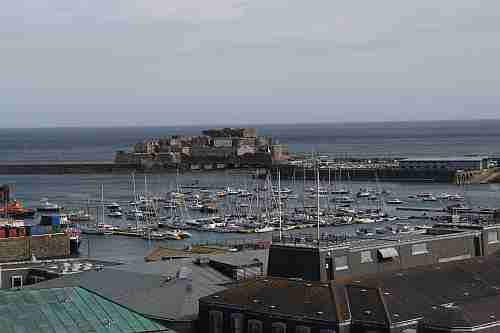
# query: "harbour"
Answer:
x=75 y=191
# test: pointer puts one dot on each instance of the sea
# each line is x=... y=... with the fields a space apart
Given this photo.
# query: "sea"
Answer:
x=383 y=139
x=368 y=140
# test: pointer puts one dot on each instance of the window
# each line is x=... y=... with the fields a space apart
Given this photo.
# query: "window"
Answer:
x=366 y=256
x=492 y=237
x=17 y=281
x=388 y=254
x=417 y=249
x=215 y=321
x=341 y=263
x=254 y=326
x=278 y=328
x=302 y=329
x=236 y=323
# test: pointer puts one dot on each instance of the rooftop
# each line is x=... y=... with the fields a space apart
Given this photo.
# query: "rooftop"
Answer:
x=167 y=290
x=59 y=266
x=285 y=297
x=455 y=294
x=70 y=310
x=359 y=243
x=429 y=288
x=445 y=159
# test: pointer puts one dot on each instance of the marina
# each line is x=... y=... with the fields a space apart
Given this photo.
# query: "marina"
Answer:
x=175 y=204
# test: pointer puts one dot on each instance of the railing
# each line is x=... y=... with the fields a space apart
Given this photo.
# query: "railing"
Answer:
x=311 y=240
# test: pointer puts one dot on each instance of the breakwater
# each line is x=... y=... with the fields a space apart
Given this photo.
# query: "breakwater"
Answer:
x=64 y=167
x=287 y=171
x=367 y=174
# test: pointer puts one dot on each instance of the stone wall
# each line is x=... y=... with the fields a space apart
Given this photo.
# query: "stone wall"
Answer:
x=43 y=247
x=50 y=246
x=14 y=249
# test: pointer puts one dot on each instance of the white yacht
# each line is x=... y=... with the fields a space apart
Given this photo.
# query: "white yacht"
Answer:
x=394 y=202
x=47 y=207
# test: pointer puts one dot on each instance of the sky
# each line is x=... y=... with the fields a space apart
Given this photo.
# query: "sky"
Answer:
x=188 y=62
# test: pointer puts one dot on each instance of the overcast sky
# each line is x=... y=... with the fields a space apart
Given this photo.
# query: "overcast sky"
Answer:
x=167 y=62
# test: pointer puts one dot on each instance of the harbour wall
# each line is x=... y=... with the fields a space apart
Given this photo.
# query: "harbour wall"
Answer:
x=43 y=247
x=59 y=168
x=287 y=171
x=368 y=174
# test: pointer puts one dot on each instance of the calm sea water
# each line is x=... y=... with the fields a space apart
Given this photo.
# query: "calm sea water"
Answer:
x=351 y=139
x=368 y=140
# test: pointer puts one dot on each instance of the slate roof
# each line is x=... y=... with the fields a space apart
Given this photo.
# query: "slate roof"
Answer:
x=415 y=293
x=152 y=289
x=483 y=311
x=286 y=297
x=68 y=310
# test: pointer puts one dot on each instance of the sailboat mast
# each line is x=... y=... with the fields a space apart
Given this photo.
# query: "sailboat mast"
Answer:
x=102 y=203
x=133 y=186
x=317 y=198
x=279 y=202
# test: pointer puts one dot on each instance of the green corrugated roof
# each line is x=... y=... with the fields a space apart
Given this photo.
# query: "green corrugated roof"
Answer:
x=68 y=310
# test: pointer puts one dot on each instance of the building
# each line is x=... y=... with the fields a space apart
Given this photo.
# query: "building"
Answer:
x=231 y=132
x=340 y=258
x=279 y=152
x=445 y=163
x=222 y=142
x=166 y=291
x=232 y=147
x=278 y=306
x=72 y=310
x=458 y=296
x=25 y=273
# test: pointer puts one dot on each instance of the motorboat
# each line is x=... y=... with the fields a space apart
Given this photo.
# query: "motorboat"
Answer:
x=346 y=200
x=430 y=199
x=366 y=232
x=113 y=206
x=424 y=195
x=364 y=220
x=115 y=214
x=134 y=215
x=341 y=191
x=80 y=216
x=456 y=197
x=444 y=196
x=47 y=207
x=155 y=235
x=15 y=209
x=264 y=229
x=363 y=194
x=394 y=202
x=245 y=194
x=231 y=191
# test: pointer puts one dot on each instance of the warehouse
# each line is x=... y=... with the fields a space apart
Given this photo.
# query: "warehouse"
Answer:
x=445 y=163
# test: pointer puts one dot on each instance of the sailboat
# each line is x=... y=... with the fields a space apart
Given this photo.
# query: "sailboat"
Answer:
x=98 y=229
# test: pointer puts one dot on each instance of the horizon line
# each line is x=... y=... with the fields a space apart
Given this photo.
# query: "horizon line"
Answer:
x=256 y=125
